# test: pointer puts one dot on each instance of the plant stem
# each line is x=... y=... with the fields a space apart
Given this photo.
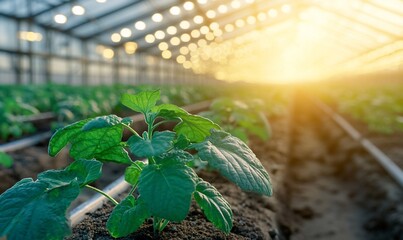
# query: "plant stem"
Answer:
x=165 y=121
x=132 y=190
x=132 y=130
x=103 y=193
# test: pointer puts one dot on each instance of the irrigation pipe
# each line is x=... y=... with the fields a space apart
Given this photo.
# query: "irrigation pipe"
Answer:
x=390 y=167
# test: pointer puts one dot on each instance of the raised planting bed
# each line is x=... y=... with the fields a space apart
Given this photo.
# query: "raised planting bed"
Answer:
x=335 y=188
x=254 y=215
x=31 y=156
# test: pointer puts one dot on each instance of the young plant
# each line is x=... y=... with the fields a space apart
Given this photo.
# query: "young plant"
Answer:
x=240 y=118
x=6 y=160
x=164 y=183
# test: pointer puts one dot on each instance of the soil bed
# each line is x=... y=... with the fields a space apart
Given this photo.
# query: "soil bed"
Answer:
x=254 y=215
x=335 y=190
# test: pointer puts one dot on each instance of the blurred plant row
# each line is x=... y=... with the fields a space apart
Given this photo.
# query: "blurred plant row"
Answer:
x=70 y=103
x=67 y=103
x=378 y=105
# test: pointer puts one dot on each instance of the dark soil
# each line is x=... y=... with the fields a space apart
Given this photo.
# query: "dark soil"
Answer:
x=335 y=190
x=254 y=215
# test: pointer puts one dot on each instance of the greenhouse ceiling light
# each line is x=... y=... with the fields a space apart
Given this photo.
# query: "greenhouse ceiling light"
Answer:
x=126 y=32
x=175 y=10
x=30 y=36
x=202 y=43
x=185 y=37
x=184 y=50
x=210 y=36
x=222 y=8
x=115 y=37
x=175 y=41
x=251 y=20
x=210 y=14
x=140 y=25
x=286 y=8
x=149 y=38
x=166 y=54
x=214 y=26
x=204 y=30
x=272 y=13
x=78 y=10
x=229 y=27
x=240 y=23
x=157 y=17
x=171 y=30
x=130 y=47
x=192 y=47
x=249 y=1
x=198 y=19
x=108 y=53
x=184 y=24
x=163 y=46
x=60 y=19
x=187 y=65
x=159 y=34
x=101 y=1
x=188 y=6
x=261 y=16
x=195 y=33
x=235 y=4
x=180 y=59
x=202 y=1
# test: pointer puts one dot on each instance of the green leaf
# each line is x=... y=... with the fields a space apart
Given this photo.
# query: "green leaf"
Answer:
x=215 y=207
x=195 y=128
x=132 y=173
x=141 y=102
x=182 y=142
x=105 y=121
x=159 y=143
x=236 y=161
x=86 y=171
x=98 y=142
x=169 y=111
x=6 y=160
x=83 y=171
x=62 y=136
x=167 y=190
x=36 y=210
x=175 y=155
x=127 y=217
x=114 y=154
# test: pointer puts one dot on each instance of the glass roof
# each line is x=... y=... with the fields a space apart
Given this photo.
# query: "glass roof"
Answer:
x=340 y=35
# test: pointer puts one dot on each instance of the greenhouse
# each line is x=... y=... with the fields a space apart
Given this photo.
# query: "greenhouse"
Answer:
x=201 y=119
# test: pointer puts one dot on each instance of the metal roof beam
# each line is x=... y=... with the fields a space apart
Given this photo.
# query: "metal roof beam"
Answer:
x=108 y=13
x=241 y=12
x=126 y=22
x=351 y=19
x=51 y=8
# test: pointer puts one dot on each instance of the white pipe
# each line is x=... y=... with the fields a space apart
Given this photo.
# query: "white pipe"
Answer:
x=390 y=167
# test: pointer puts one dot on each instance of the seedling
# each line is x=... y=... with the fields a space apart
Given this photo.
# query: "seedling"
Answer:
x=6 y=160
x=164 y=183
x=240 y=118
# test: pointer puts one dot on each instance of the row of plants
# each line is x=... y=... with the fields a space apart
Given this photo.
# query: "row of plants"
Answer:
x=70 y=103
x=378 y=105
x=163 y=186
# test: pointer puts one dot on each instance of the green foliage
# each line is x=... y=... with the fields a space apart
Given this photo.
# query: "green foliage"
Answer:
x=215 y=207
x=127 y=217
x=240 y=118
x=6 y=160
x=165 y=184
x=379 y=106
x=30 y=207
x=233 y=159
